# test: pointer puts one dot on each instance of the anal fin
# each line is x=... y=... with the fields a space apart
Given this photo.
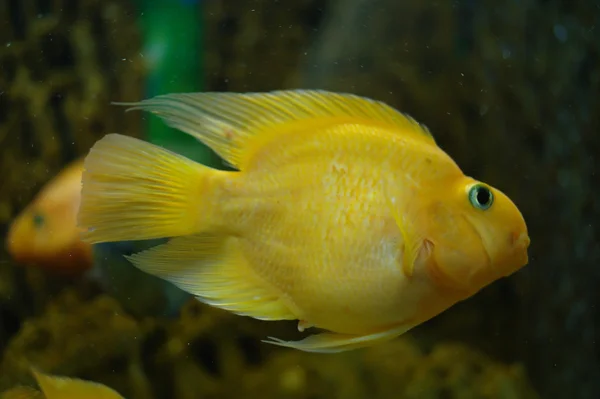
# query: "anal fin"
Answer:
x=334 y=342
x=214 y=269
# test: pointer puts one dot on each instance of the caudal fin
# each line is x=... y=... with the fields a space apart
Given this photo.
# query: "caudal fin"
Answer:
x=134 y=190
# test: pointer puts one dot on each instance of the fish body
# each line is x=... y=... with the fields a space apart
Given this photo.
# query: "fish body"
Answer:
x=344 y=214
x=347 y=253
x=55 y=387
x=45 y=233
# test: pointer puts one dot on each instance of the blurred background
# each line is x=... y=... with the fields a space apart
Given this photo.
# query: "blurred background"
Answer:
x=510 y=89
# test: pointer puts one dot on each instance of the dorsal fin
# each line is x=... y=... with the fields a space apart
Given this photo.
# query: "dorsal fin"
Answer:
x=233 y=123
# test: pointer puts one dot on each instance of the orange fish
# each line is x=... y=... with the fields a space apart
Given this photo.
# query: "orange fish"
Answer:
x=46 y=233
x=343 y=213
x=53 y=387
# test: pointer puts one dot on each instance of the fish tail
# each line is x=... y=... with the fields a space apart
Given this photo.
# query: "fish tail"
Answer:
x=134 y=190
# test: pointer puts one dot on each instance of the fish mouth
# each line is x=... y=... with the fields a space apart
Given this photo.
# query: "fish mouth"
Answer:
x=521 y=244
x=521 y=241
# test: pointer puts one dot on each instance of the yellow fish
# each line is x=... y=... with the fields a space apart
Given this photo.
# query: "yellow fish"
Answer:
x=53 y=387
x=343 y=213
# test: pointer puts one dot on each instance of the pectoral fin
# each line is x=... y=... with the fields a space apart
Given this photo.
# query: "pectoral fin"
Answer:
x=334 y=342
x=412 y=242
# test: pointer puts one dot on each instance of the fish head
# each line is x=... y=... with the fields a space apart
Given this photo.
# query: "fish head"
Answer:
x=479 y=235
x=37 y=233
x=46 y=235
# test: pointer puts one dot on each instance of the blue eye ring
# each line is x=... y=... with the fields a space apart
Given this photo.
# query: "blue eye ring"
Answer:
x=481 y=197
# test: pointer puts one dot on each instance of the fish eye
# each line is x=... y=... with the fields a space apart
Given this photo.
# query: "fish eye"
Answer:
x=481 y=197
x=38 y=220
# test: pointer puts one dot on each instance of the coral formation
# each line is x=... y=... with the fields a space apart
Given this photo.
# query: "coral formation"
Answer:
x=210 y=353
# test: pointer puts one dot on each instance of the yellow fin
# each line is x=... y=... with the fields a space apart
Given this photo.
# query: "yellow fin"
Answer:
x=411 y=242
x=334 y=342
x=214 y=269
x=233 y=124
x=134 y=190
x=22 y=393
x=55 y=387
